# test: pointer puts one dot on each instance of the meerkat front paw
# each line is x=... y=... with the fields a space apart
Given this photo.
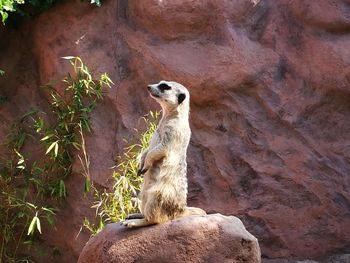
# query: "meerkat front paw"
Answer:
x=144 y=168
x=146 y=165
x=141 y=160
x=141 y=171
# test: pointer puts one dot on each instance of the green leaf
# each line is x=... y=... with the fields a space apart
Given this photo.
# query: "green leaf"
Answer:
x=51 y=147
x=32 y=225
x=76 y=145
x=49 y=210
x=21 y=140
x=46 y=137
x=38 y=225
x=20 y=214
x=18 y=154
x=28 y=242
x=56 y=251
x=56 y=149
x=68 y=57
x=96 y=2
x=38 y=124
x=31 y=205
x=29 y=113
x=62 y=189
x=50 y=220
x=4 y=16
x=2 y=72
x=87 y=185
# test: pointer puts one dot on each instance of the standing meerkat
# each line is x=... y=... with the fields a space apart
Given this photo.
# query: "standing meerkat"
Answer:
x=164 y=191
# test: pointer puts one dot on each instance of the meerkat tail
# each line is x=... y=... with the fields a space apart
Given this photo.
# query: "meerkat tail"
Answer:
x=193 y=211
x=133 y=223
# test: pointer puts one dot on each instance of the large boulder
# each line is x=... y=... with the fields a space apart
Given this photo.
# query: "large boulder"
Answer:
x=211 y=238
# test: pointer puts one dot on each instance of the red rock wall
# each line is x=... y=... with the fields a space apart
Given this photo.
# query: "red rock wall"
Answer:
x=270 y=87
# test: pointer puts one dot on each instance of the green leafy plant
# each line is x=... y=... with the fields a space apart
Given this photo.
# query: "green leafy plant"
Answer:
x=112 y=205
x=20 y=210
x=7 y=6
x=28 y=187
x=22 y=6
x=96 y=2
x=72 y=111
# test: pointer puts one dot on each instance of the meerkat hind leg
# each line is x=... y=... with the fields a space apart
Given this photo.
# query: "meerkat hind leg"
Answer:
x=132 y=223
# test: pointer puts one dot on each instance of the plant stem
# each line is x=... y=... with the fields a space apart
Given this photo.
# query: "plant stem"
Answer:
x=20 y=238
x=3 y=238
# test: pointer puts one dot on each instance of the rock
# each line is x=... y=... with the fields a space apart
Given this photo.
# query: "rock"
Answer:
x=211 y=238
x=343 y=258
x=340 y=258
x=288 y=261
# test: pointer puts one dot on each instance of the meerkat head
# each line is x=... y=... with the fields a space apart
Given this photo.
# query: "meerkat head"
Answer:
x=170 y=95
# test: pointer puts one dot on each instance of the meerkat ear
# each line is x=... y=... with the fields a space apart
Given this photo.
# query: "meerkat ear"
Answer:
x=180 y=98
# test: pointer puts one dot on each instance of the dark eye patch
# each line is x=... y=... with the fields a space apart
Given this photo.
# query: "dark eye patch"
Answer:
x=163 y=87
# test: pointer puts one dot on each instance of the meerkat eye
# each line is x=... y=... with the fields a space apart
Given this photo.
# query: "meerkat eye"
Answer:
x=163 y=87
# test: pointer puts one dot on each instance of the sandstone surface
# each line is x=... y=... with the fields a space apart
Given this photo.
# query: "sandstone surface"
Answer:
x=270 y=87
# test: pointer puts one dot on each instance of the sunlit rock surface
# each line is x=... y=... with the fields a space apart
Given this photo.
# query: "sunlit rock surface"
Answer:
x=270 y=90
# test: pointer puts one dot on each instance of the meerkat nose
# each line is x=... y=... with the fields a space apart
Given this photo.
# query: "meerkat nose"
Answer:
x=149 y=88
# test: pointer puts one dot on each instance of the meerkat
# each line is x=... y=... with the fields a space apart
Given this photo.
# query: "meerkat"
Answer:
x=164 y=190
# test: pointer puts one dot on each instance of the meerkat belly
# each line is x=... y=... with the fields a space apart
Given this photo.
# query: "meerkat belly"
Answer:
x=166 y=196
x=150 y=179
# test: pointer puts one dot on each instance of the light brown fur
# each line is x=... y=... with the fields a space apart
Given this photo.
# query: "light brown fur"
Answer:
x=164 y=191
